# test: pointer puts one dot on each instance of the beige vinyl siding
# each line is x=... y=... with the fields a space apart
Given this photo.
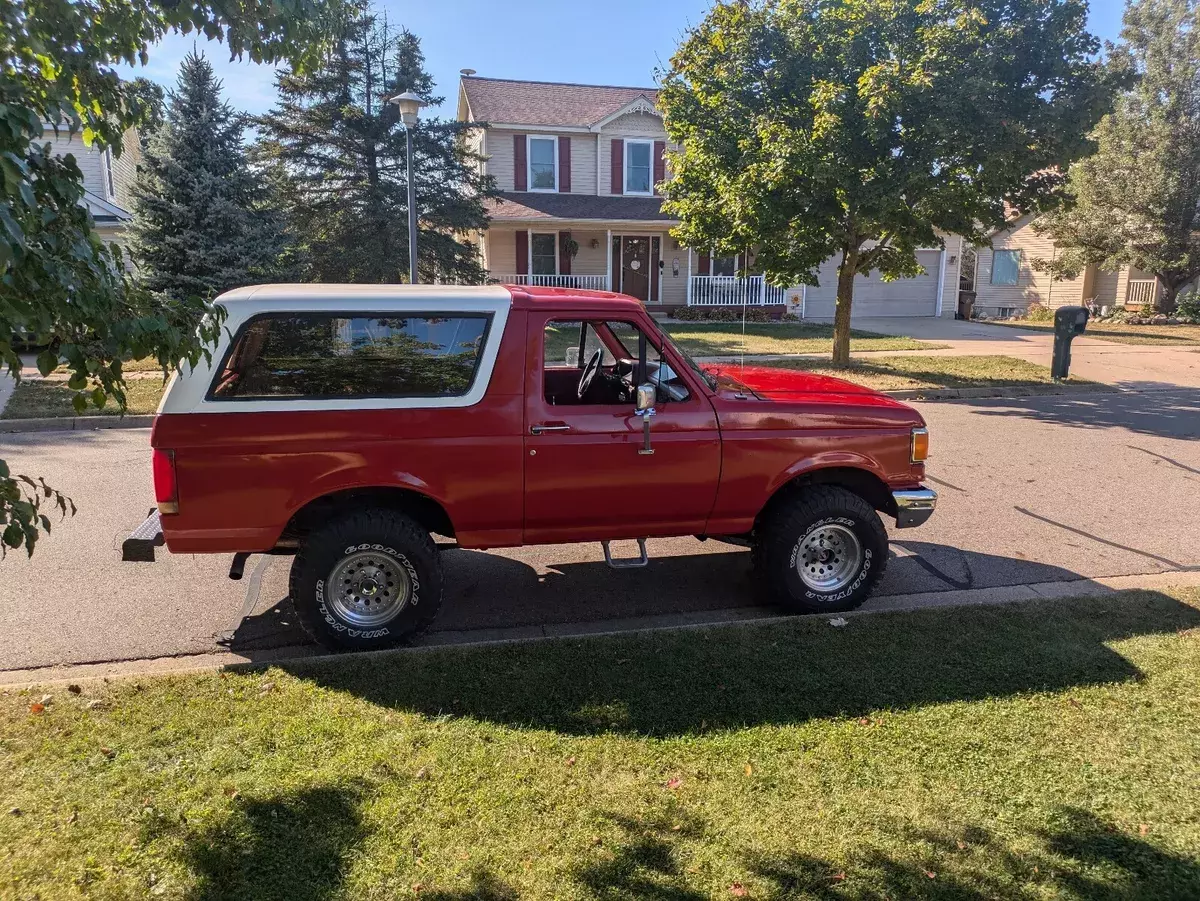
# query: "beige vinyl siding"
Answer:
x=499 y=150
x=502 y=243
x=634 y=127
x=501 y=251
x=874 y=297
x=500 y=158
x=1032 y=286
x=674 y=288
x=89 y=159
x=1105 y=287
x=125 y=169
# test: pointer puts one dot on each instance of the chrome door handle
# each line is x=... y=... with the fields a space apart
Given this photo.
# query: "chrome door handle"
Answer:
x=538 y=429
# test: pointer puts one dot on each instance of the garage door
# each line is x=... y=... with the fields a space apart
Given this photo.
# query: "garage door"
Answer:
x=875 y=297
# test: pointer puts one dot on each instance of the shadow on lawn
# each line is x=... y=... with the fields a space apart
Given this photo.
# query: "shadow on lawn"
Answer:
x=291 y=847
x=1081 y=857
x=671 y=683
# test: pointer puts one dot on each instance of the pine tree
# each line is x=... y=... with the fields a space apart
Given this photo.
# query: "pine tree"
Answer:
x=338 y=151
x=200 y=225
x=1135 y=202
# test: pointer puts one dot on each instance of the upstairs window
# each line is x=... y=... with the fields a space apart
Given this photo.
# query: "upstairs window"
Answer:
x=543 y=159
x=639 y=167
x=1006 y=266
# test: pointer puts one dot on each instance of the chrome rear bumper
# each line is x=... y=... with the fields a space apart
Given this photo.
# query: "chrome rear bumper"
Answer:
x=914 y=506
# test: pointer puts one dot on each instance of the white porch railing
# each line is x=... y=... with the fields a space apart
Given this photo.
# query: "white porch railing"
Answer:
x=732 y=290
x=1141 y=291
x=582 y=282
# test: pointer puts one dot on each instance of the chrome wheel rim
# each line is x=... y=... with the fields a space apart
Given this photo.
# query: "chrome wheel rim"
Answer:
x=828 y=557
x=369 y=588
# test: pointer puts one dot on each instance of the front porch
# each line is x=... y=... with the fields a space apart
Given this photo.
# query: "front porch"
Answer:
x=641 y=262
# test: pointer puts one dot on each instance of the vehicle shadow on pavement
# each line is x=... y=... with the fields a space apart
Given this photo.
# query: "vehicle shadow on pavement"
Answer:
x=1168 y=414
x=678 y=683
x=488 y=591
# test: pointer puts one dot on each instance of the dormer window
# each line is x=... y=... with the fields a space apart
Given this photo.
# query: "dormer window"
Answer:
x=110 y=187
x=639 y=167
x=543 y=164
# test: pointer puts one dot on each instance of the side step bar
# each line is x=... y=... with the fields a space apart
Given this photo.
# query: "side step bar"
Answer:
x=630 y=562
x=139 y=546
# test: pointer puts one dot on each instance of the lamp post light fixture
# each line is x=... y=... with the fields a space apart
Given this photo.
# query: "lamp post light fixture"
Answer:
x=410 y=110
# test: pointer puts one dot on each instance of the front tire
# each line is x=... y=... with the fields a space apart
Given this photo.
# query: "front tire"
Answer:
x=823 y=551
x=367 y=580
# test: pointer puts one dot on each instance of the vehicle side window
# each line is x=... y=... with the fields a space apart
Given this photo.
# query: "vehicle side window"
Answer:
x=325 y=355
x=569 y=345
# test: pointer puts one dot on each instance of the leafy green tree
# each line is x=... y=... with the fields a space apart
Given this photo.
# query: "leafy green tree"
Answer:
x=1135 y=201
x=861 y=129
x=337 y=149
x=200 y=224
x=60 y=285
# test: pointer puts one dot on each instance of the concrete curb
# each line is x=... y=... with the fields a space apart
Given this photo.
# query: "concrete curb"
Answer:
x=735 y=616
x=76 y=423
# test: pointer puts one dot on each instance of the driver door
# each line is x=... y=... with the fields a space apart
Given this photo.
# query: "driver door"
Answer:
x=584 y=477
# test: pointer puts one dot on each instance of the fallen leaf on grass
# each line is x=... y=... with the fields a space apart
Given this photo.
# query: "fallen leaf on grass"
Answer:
x=35 y=707
x=749 y=770
x=47 y=700
x=838 y=622
x=1143 y=829
x=962 y=846
x=422 y=773
x=838 y=877
x=15 y=811
x=931 y=874
x=571 y=761
x=738 y=890
x=108 y=752
x=94 y=703
x=674 y=782
x=864 y=721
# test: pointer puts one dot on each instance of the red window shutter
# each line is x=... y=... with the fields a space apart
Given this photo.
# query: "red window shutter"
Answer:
x=618 y=166
x=564 y=258
x=660 y=164
x=522 y=252
x=564 y=165
x=520 y=170
x=704 y=264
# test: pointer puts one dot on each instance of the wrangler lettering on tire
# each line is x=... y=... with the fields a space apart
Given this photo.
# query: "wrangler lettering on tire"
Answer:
x=821 y=551
x=366 y=580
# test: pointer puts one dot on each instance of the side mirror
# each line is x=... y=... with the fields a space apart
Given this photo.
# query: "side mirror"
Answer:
x=647 y=395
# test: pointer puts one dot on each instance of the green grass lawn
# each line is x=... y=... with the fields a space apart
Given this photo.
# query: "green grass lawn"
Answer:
x=37 y=398
x=1045 y=750
x=1124 y=333
x=902 y=373
x=712 y=339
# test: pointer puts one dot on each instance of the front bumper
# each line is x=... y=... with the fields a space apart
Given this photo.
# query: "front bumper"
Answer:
x=914 y=506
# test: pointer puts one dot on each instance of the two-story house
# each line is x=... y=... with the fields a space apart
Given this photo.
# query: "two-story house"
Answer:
x=107 y=178
x=577 y=167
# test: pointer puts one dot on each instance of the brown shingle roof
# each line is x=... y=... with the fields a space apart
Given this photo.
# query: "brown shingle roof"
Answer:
x=536 y=205
x=501 y=101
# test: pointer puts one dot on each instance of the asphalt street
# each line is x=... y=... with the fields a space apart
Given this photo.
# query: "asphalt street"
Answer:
x=1032 y=490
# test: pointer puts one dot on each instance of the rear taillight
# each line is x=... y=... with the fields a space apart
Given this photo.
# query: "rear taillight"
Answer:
x=166 y=487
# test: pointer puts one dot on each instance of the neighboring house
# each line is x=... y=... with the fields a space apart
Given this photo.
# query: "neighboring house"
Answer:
x=107 y=179
x=580 y=163
x=1005 y=281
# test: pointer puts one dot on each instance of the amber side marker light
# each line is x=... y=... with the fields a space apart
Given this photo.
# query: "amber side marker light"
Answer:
x=920 y=445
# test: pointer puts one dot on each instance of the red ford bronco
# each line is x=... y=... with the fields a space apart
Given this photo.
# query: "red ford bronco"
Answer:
x=346 y=423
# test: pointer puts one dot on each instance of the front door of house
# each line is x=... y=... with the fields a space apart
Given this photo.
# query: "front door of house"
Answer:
x=635 y=267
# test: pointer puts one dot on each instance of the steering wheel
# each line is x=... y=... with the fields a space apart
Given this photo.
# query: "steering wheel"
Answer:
x=589 y=373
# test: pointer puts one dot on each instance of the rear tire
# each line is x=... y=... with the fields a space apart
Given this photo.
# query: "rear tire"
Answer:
x=823 y=551
x=365 y=581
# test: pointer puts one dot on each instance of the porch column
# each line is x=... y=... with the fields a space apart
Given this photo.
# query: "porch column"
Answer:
x=608 y=254
x=689 y=277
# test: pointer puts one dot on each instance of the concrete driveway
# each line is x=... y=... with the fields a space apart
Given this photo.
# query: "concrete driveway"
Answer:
x=1131 y=366
x=1032 y=490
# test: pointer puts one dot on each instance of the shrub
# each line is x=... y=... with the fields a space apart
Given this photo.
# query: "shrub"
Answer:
x=1037 y=312
x=1188 y=305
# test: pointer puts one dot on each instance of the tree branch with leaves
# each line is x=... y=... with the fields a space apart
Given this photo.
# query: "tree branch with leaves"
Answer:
x=61 y=287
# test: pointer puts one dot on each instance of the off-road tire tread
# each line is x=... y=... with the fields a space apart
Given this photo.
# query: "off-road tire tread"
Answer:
x=777 y=534
x=408 y=535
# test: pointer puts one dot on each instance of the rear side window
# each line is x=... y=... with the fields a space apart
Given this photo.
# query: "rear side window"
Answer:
x=323 y=355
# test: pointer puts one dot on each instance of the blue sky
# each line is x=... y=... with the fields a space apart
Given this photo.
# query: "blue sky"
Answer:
x=620 y=42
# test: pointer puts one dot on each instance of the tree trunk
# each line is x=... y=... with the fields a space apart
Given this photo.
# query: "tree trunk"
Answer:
x=841 y=313
x=1164 y=299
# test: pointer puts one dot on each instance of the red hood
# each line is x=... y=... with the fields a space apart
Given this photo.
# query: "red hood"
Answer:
x=776 y=382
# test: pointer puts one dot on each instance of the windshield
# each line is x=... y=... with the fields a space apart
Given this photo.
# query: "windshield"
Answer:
x=692 y=364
